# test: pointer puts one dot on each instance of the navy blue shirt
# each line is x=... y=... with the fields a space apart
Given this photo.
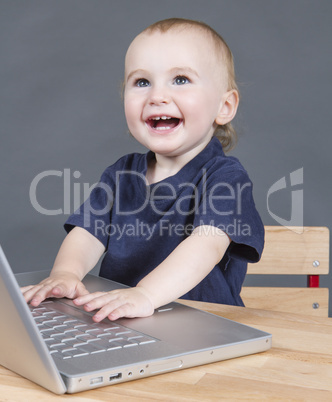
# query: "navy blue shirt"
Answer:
x=140 y=224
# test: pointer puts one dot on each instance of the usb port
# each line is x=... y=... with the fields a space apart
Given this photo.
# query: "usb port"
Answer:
x=96 y=380
x=116 y=376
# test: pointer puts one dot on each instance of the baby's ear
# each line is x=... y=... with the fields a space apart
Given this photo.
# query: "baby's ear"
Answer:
x=228 y=107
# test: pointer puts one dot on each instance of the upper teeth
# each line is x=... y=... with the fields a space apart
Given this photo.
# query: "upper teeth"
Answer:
x=161 y=117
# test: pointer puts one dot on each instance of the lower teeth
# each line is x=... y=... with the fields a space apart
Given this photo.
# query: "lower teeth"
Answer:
x=162 y=128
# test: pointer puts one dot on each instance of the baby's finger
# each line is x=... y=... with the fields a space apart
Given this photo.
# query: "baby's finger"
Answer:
x=48 y=291
x=88 y=298
x=106 y=303
x=27 y=292
x=41 y=295
x=111 y=310
x=30 y=291
x=125 y=310
x=26 y=288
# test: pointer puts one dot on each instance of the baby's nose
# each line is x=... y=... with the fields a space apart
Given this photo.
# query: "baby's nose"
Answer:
x=159 y=96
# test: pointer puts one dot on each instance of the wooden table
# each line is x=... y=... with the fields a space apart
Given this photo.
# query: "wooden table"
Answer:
x=298 y=367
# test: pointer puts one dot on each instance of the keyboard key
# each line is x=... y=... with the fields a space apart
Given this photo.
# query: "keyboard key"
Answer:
x=50 y=323
x=81 y=327
x=92 y=348
x=60 y=318
x=74 y=332
x=51 y=342
x=39 y=319
x=46 y=330
x=59 y=347
x=68 y=340
x=66 y=355
x=50 y=313
x=107 y=335
x=80 y=353
x=70 y=321
x=39 y=309
x=111 y=327
x=36 y=314
x=69 y=349
x=123 y=343
x=86 y=338
x=95 y=331
x=145 y=339
x=123 y=332
x=60 y=327
x=58 y=336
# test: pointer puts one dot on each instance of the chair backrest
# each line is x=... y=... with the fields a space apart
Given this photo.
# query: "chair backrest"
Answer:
x=292 y=251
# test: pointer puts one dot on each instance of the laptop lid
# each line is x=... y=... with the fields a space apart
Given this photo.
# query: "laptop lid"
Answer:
x=185 y=337
x=21 y=346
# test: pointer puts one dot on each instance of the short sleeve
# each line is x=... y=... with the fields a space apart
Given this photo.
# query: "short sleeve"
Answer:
x=227 y=203
x=94 y=214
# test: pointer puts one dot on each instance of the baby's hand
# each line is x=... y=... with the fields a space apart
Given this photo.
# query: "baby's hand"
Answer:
x=130 y=303
x=58 y=285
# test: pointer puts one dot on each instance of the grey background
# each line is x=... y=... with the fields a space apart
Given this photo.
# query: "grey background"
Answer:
x=60 y=104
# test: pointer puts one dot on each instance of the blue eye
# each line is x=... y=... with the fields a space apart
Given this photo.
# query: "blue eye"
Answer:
x=142 y=82
x=181 y=80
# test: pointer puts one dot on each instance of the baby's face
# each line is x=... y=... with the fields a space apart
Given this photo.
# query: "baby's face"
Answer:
x=175 y=87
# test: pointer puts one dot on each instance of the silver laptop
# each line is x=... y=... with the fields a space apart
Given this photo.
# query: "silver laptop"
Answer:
x=59 y=347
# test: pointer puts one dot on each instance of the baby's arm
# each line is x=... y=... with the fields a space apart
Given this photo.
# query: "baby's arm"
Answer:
x=181 y=271
x=78 y=254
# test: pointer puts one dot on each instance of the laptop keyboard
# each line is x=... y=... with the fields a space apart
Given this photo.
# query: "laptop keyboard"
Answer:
x=70 y=336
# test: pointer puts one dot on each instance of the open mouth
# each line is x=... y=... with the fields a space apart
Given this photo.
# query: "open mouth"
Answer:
x=163 y=122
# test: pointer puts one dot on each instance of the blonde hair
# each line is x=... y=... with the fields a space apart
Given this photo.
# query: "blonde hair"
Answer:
x=225 y=133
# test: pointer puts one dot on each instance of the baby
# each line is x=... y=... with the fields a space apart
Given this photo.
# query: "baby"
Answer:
x=180 y=220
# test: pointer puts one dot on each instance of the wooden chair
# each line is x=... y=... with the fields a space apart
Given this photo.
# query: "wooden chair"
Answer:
x=288 y=253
